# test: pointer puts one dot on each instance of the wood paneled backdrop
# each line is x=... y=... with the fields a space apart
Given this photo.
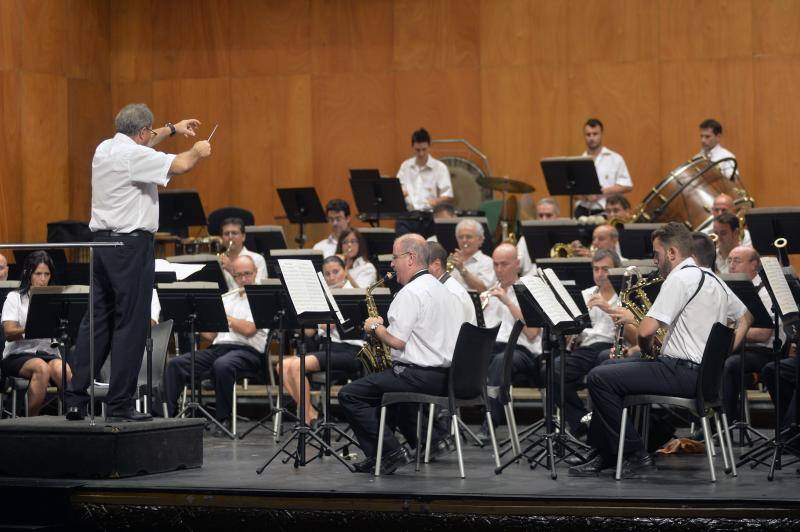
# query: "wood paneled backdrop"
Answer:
x=304 y=90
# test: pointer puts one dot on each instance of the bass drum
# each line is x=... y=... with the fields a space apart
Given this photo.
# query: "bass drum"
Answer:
x=468 y=193
x=687 y=193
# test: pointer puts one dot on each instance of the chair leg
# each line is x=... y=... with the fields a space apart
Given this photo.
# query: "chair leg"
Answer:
x=417 y=452
x=14 y=394
x=511 y=423
x=621 y=446
x=233 y=411
x=458 y=446
x=379 y=453
x=746 y=407
x=709 y=446
x=646 y=426
x=730 y=443
x=493 y=438
x=164 y=409
x=721 y=436
x=103 y=409
x=431 y=410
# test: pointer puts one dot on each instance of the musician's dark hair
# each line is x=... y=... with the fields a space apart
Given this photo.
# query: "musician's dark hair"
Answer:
x=233 y=220
x=444 y=207
x=420 y=135
x=729 y=219
x=363 y=251
x=675 y=234
x=594 y=122
x=703 y=250
x=713 y=125
x=32 y=262
x=436 y=252
x=618 y=199
x=338 y=205
x=333 y=258
x=601 y=254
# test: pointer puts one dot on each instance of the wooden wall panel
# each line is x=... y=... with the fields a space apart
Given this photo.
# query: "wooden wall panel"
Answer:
x=711 y=29
x=131 y=46
x=10 y=162
x=123 y=93
x=44 y=33
x=88 y=37
x=775 y=26
x=10 y=36
x=611 y=30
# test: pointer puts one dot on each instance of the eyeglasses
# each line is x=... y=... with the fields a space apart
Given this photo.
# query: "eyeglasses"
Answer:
x=242 y=274
x=153 y=131
x=466 y=237
x=395 y=257
x=350 y=241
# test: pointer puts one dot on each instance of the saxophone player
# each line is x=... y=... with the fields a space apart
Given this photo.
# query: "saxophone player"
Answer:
x=690 y=301
x=421 y=333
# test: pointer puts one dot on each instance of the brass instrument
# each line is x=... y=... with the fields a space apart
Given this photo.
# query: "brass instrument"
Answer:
x=227 y=251
x=239 y=291
x=375 y=355
x=202 y=244
x=450 y=266
x=561 y=250
x=638 y=302
x=486 y=294
x=628 y=275
x=780 y=245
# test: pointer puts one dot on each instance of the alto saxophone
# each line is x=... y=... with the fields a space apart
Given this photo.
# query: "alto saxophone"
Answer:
x=375 y=355
x=638 y=302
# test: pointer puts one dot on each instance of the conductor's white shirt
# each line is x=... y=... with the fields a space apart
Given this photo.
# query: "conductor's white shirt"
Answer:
x=125 y=181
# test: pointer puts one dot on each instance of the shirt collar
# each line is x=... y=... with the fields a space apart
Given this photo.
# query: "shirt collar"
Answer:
x=427 y=164
x=688 y=261
x=603 y=151
x=122 y=137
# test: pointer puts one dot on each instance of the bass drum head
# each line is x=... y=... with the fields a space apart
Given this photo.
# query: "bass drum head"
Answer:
x=468 y=193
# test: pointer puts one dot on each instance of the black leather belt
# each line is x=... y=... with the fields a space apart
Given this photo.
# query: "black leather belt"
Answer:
x=138 y=232
x=406 y=365
x=688 y=363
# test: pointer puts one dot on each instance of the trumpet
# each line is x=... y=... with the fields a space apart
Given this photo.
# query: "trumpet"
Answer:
x=227 y=251
x=486 y=294
x=451 y=265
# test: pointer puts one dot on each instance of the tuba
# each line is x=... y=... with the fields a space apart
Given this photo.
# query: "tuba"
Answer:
x=375 y=355
x=638 y=302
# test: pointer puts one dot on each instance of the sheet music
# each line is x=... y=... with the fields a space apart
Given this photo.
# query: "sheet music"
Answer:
x=303 y=286
x=546 y=299
x=555 y=282
x=331 y=300
x=181 y=271
x=780 y=288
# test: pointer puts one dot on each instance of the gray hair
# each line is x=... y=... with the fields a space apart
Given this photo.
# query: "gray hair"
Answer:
x=470 y=222
x=414 y=243
x=133 y=118
x=550 y=201
x=601 y=254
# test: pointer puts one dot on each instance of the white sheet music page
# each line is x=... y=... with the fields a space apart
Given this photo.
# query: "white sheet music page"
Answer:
x=546 y=299
x=780 y=288
x=555 y=282
x=303 y=286
x=331 y=300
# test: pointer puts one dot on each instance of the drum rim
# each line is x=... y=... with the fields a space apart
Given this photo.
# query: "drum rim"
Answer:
x=672 y=175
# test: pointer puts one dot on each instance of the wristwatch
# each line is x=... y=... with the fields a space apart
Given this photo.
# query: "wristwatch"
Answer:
x=171 y=127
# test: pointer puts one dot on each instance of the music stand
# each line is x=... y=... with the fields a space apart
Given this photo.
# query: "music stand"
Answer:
x=365 y=173
x=192 y=307
x=578 y=269
x=769 y=224
x=314 y=255
x=378 y=198
x=263 y=238
x=179 y=209
x=302 y=206
x=635 y=240
x=475 y=297
x=445 y=231
x=380 y=240
x=210 y=273
x=542 y=235
x=570 y=176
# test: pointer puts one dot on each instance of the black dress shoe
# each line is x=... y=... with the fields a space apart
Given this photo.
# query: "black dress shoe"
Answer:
x=636 y=464
x=129 y=416
x=578 y=459
x=366 y=465
x=395 y=459
x=592 y=468
x=75 y=413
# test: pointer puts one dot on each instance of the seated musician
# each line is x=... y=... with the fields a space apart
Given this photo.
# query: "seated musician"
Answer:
x=604 y=236
x=502 y=308
x=343 y=352
x=233 y=240
x=591 y=342
x=33 y=359
x=3 y=268
x=239 y=349
x=338 y=213
x=724 y=203
x=473 y=269
x=422 y=335
x=618 y=208
x=352 y=248
x=690 y=301
x=726 y=227
x=546 y=209
x=437 y=266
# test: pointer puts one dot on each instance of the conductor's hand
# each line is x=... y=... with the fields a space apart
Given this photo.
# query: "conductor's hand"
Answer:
x=202 y=148
x=187 y=127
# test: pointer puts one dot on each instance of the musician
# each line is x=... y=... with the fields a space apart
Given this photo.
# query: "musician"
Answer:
x=611 y=170
x=241 y=349
x=704 y=251
x=502 y=308
x=126 y=174
x=352 y=248
x=710 y=137
x=618 y=208
x=422 y=335
x=343 y=352
x=473 y=269
x=233 y=235
x=604 y=236
x=3 y=268
x=437 y=266
x=33 y=359
x=726 y=226
x=425 y=182
x=690 y=301
x=546 y=209
x=724 y=203
x=757 y=350
x=338 y=213
x=591 y=342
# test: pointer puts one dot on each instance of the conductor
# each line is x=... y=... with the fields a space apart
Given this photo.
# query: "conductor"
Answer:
x=126 y=174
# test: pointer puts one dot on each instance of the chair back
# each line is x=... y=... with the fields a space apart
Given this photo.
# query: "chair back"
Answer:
x=215 y=218
x=709 y=377
x=471 y=361
x=160 y=333
x=504 y=391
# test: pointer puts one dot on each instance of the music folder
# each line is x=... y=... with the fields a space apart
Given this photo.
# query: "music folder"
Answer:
x=780 y=293
x=311 y=304
x=741 y=285
x=551 y=301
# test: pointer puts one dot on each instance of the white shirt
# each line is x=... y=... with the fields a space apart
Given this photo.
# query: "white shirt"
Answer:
x=363 y=272
x=688 y=330
x=480 y=265
x=125 y=181
x=497 y=312
x=422 y=316
x=237 y=306
x=721 y=264
x=611 y=170
x=718 y=153
x=746 y=240
x=602 y=329
x=422 y=184
x=526 y=265
x=16 y=309
x=327 y=246
x=462 y=299
x=261 y=268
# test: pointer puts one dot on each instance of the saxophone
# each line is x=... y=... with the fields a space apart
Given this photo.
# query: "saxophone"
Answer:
x=638 y=302
x=375 y=355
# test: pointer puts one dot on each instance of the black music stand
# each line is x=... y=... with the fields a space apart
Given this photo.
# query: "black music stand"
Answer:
x=445 y=231
x=379 y=240
x=769 y=224
x=210 y=273
x=302 y=206
x=179 y=209
x=570 y=176
x=263 y=238
x=378 y=198
x=578 y=269
x=194 y=307
x=635 y=240
x=365 y=173
x=478 y=304
x=542 y=235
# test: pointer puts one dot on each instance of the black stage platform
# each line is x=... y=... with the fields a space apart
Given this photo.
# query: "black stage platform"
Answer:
x=227 y=494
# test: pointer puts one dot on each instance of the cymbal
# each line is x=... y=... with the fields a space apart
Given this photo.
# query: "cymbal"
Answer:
x=504 y=184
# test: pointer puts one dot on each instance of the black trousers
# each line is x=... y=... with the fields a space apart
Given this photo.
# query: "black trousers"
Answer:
x=123 y=287
x=361 y=401
x=577 y=365
x=224 y=361
x=784 y=404
x=611 y=381
x=525 y=372
x=755 y=358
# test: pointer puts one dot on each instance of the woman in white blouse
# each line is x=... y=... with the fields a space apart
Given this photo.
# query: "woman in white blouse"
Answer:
x=352 y=248
x=30 y=359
